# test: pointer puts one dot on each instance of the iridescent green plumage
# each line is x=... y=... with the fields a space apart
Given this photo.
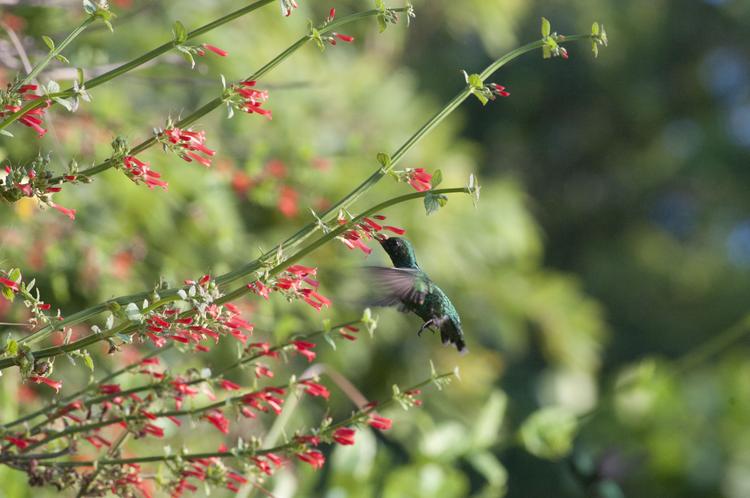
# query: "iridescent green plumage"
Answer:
x=409 y=288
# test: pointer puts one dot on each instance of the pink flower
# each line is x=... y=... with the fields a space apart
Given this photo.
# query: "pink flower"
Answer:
x=420 y=179
x=259 y=288
x=313 y=457
x=380 y=423
x=314 y=389
x=216 y=50
x=304 y=348
x=344 y=436
x=54 y=384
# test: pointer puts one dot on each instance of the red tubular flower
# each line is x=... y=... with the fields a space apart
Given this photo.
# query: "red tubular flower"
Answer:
x=229 y=385
x=396 y=230
x=216 y=50
x=420 y=179
x=70 y=213
x=188 y=144
x=140 y=171
x=263 y=371
x=54 y=384
x=313 y=457
x=109 y=388
x=314 y=389
x=304 y=348
x=154 y=430
x=19 y=442
x=218 y=420
x=344 y=38
x=251 y=99
x=9 y=284
x=499 y=90
x=380 y=423
x=288 y=201
x=344 y=436
x=259 y=288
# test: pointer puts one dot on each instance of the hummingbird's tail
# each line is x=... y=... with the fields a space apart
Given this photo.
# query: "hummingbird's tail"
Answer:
x=450 y=332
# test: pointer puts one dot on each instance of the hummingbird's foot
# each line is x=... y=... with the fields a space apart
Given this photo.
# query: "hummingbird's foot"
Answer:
x=425 y=325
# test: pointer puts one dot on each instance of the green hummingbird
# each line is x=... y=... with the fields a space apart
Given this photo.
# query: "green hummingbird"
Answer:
x=408 y=287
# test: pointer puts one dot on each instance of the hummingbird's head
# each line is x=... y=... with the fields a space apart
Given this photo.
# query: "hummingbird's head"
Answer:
x=401 y=252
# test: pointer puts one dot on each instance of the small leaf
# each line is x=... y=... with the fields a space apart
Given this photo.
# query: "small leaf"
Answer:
x=62 y=58
x=11 y=347
x=88 y=361
x=384 y=159
x=329 y=340
x=475 y=81
x=49 y=42
x=67 y=104
x=431 y=203
x=546 y=27
x=437 y=178
x=180 y=33
x=595 y=29
x=81 y=78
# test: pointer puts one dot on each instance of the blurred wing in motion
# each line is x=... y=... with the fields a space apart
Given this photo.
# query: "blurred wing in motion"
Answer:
x=397 y=286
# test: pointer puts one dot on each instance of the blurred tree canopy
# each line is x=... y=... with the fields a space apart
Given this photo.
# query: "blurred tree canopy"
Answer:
x=612 y=235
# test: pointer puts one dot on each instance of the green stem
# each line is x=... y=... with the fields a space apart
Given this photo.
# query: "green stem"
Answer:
x=54 y=53
x=99 y=399
x=71 y=397
x=128 y=66
x=251 y=452
x=309 y=229
x=219 y=101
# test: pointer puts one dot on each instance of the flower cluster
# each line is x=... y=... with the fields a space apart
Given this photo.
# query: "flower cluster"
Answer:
x=244 y=97
x=12 y=100
x=141 y=172
x=188 y=144
x=33 y=180
x=287 y=6
x=291 y=283
x=366 y=229
x=209 y=321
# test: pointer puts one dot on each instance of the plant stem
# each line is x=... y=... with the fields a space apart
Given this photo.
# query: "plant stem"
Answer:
x=309 y=229
x=128 y=66
x=54 y=53
x=219 y=101
x=251 y=452
x=64 y=401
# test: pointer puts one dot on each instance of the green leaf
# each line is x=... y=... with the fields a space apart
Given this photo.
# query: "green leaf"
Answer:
x=11 y=347
x=88 y=361
x=380 y=5
x=433 y=202
x=549 y=432
x=382 y=23
x=67 y=104
x=475 y=81
x=81 y=78
x=384 y=160
x=437 y=178
x=49 y=42
x=330 y=340
x=595 y=29
x=62 y=58
x=546 y=27
x=481 y=96
x=180 y=33
x=546 y=52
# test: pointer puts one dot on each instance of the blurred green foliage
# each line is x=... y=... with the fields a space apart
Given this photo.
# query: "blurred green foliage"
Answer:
x=613 y=228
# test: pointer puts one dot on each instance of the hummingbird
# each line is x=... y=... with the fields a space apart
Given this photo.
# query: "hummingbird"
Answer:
x=408 y=287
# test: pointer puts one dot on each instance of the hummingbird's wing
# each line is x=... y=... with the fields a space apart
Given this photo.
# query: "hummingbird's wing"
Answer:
x=398 y=286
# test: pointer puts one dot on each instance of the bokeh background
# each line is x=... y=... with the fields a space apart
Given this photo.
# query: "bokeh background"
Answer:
x=611 y=241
